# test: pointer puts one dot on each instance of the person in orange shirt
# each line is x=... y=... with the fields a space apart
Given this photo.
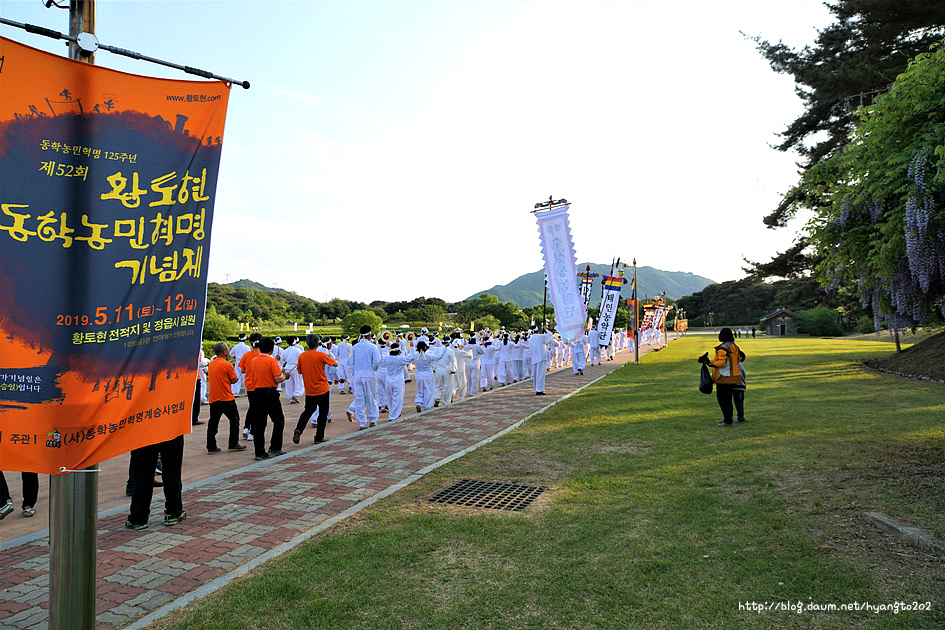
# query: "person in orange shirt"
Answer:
x=247 y=382
x=311 y=365
x=220 y=378
x=265 y=375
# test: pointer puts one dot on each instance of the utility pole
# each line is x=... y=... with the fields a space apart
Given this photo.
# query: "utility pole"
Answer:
x=73 y=497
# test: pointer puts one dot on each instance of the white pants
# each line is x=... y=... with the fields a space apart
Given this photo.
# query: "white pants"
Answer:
x=294 y=387
x=579 y=362
x=365 y=399
x=595 y=354
x=488 y=375
x=505 y=371
x=342 y=375
x=538 y=373
x=381 y=389
x=238 y=385
x=472 y=378
x=458 y=382
x=518 y=370
x=442 y=386
x=425 y=390
x=394 y=392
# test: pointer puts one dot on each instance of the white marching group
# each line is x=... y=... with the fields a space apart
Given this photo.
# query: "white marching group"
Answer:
x=447 y=367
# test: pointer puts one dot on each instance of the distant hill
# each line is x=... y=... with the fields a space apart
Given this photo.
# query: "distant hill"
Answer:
x=250 y=284
x=527 y=290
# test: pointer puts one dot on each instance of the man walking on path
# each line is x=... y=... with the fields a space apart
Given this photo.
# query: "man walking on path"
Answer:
x=266 y=375
x=221 y=375
x=538 y=348
x=311 y=365
x=365 y=359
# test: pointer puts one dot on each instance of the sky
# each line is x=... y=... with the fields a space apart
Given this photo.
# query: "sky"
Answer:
x=390 y=150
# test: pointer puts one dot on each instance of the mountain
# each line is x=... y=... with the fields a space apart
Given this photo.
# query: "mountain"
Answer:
x=251 y=284
x=527 y=290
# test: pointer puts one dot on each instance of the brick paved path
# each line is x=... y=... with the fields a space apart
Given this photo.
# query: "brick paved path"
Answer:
x=238 y=520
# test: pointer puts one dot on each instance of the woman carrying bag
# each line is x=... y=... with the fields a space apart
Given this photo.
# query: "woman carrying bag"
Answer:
x=727 y=376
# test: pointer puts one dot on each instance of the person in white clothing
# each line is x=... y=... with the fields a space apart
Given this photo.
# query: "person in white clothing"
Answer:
x=365 y=359
x=444 y=366
x=487 y=364
x=392 y=367
x=423 y=372
x=578 y=360
x=382 y=379
x=237 y=353
x=504 y=365
x=458 y=378
x=538 y=346
x=294 y=386
x=593 y=340
x=473 y=366
x=343 y=353
x=202 y=364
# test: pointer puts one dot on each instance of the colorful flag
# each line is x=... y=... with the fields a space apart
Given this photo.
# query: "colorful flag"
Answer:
x=587 y=283
x=107 y=199
x=608 y=308
x=561 y=271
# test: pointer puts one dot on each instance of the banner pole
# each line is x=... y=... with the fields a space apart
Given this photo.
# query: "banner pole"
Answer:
x=73 y=498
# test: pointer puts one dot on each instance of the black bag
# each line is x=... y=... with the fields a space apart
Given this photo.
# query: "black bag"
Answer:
x=705 y=380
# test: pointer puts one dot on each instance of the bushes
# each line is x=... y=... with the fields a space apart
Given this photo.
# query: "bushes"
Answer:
x=819 y=322
x=217 y=327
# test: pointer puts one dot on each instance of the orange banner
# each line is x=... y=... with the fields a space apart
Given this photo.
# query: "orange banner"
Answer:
x=106 y=206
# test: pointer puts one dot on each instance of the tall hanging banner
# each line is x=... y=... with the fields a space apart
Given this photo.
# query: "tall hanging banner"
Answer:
x=561 y=271
x=608 y=308
x=106 y=202
x=587 y=284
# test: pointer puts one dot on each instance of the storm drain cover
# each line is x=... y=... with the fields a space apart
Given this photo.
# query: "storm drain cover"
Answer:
x=491 y=495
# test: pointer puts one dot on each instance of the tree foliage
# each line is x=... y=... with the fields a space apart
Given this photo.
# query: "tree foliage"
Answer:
x=217 y=327
x=854 y=59
x=353 y=321
x=819 y=322
x=883 y=226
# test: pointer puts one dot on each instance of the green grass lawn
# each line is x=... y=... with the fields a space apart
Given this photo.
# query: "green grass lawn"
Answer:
x=657 y=517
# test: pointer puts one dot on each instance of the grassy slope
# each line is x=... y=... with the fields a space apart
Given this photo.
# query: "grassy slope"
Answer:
x=658 y=519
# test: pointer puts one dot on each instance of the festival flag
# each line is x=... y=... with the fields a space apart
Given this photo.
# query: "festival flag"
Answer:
x=107 y=199
x=608 y=308
x=561 y=271
x=587 y=283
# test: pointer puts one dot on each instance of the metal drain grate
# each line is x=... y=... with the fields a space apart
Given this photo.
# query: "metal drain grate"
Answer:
x=490 y=495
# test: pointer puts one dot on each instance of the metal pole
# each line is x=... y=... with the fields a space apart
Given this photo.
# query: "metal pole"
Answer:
x=73 y=497
x=636 y=316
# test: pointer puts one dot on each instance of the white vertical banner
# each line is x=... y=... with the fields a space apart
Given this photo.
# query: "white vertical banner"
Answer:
x=561 y=271
x=608 y=308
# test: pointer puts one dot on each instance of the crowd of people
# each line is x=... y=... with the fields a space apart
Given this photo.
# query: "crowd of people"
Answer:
x=374 y=370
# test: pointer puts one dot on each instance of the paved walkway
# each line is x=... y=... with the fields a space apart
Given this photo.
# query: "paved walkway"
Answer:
x=238 y=520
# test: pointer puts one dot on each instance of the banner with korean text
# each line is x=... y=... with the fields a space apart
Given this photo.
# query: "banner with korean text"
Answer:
x=106 y=203
x=608 y=308
x=587 y=284
x=561 y=271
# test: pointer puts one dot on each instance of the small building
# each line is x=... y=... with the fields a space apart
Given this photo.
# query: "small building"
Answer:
x=780 y=323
